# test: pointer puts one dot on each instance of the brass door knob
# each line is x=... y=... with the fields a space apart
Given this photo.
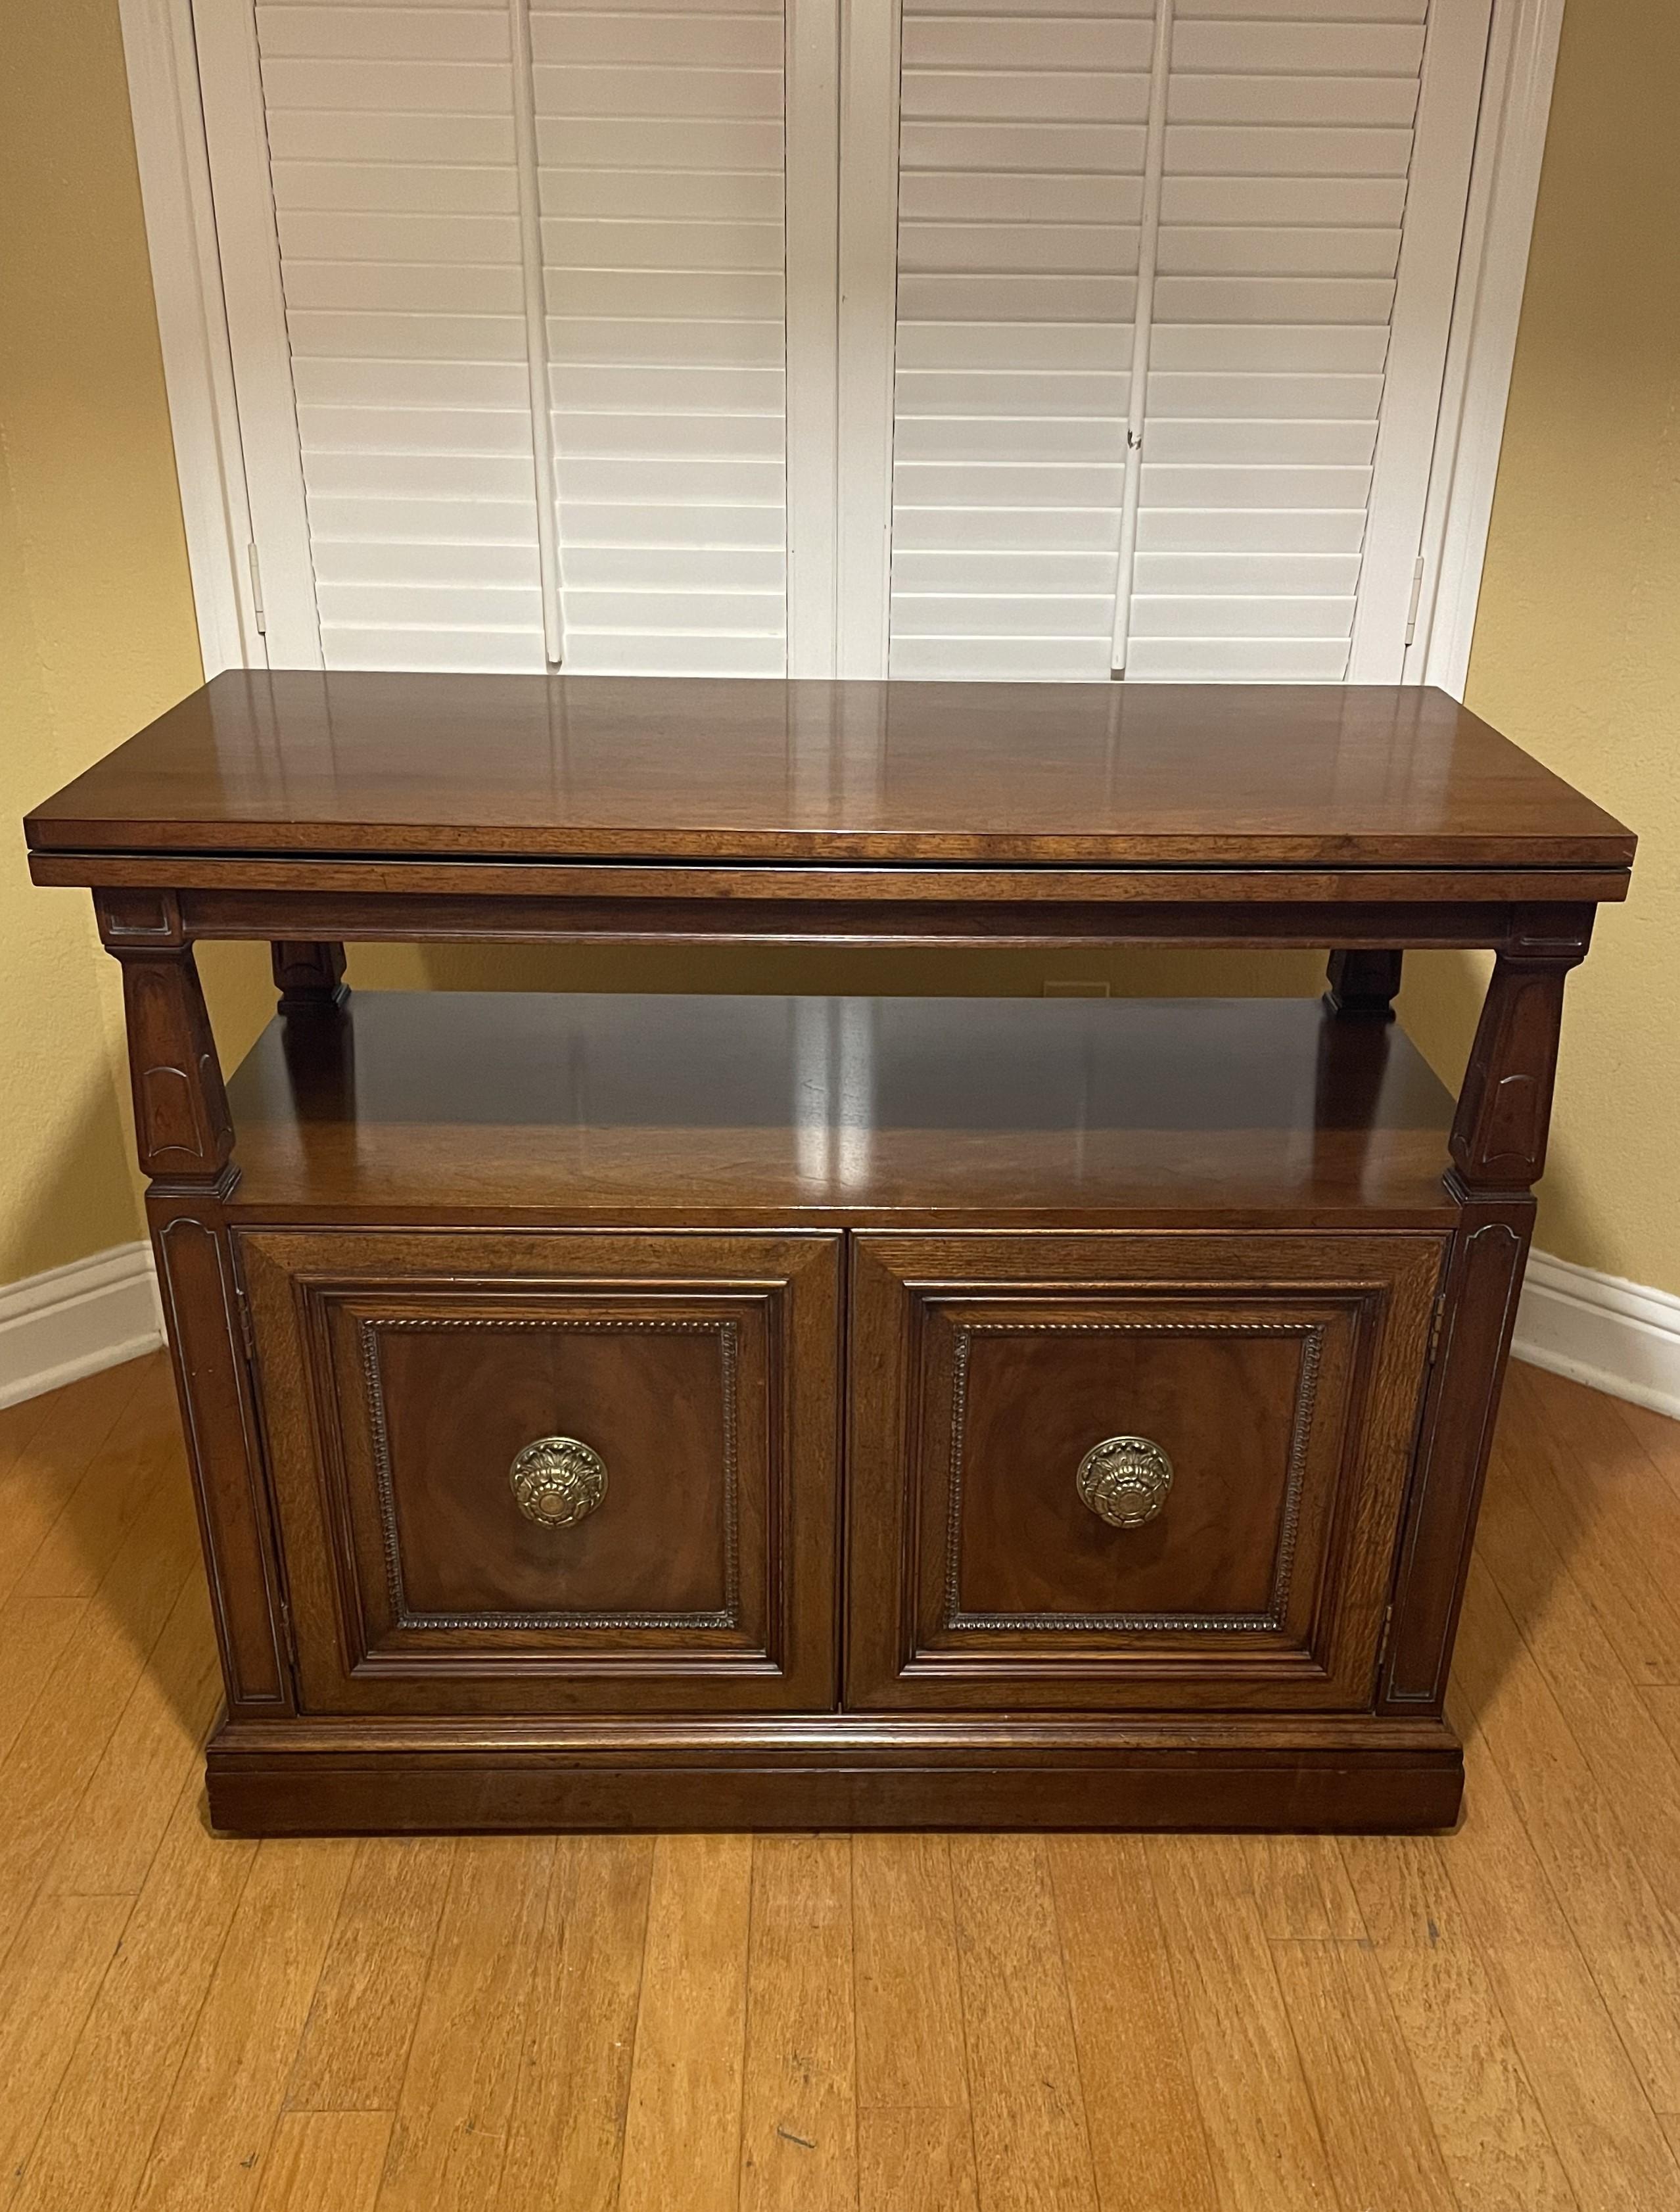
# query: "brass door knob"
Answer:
x=558 y=1482
x=1125 y=1481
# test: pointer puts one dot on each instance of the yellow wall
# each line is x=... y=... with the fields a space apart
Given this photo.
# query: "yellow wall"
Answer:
x=1577 y=651
x=96 y=622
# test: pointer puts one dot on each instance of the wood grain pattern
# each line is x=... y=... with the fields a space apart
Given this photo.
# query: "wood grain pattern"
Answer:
x=1375 y=2126
x=702 y=1370
x=998 y=1109
x=1135 y=2068
x=916 y=2157
x=582 y=766
x=1032 y=2137
x=908 y=1992
x=567 y=2140
x=798 y=2118
x=325 y=2157
x=685 y=2104
x=450 y=2139
x=985 y=1365
x=1483 y=2112
x=355 y=2042
x=387 y=1363
x=119 y=2085
x=222 y=2105
x=1205 y=2011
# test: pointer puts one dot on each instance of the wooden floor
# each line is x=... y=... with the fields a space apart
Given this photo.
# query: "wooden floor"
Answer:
x=916 y=2024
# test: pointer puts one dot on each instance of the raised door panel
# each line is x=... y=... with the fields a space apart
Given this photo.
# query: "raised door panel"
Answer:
x=540 y=1472
x=1125 y=1469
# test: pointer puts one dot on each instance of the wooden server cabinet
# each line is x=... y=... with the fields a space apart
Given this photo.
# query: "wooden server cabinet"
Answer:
x=679 y=1412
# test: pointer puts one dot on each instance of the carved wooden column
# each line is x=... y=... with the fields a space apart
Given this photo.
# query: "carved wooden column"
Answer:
x=181 y=1124
x=310 y=978
x=1498 y=1148
x=1363 y=984
x=184 y=1133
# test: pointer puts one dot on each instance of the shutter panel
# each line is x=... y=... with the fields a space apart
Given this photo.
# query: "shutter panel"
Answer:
x=1021 y=143
x=1289 y=145
x=1288 y=156
x=391 y=149
x=396 y=194
x=660 y=134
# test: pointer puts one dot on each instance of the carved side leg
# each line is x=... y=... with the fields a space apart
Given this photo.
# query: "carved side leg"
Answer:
x=1498 y=1148
x=181 y=1123
x=184 y=1136
x=310 y=978
x=1363 y=984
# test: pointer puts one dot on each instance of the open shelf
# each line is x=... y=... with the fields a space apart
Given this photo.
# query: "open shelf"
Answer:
x=677 y=1111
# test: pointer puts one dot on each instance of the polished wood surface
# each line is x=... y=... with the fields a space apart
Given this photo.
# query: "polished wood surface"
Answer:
x=312 y=810
x=289 y=761
x=685 y=1108
x=1280 y=1376
x=1486 y=2021
x=399 y=1374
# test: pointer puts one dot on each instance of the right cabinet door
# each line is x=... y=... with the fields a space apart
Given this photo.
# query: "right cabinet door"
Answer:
x=1129 y=1469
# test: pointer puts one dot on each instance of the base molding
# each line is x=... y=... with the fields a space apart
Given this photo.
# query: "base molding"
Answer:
x=834 y=1771
x=1602 y=1330
x=69 y=1321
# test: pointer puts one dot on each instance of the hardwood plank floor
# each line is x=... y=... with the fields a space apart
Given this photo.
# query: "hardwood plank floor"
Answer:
x=1484 y=2022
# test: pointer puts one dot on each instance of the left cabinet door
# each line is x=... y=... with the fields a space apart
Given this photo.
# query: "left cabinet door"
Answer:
x=535 y=1473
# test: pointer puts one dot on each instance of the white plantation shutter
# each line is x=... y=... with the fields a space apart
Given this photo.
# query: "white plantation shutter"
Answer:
x=1289 y=145
x=1020 y=153
x=391 y=144
x=659 y=178
x=1288 y=160
x=660 y=131
x=521 y=372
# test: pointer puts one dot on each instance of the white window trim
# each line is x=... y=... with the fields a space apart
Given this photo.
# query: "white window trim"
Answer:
x=1493 y=268
x=171 y=146
x=1450 y=94
x=193 y=327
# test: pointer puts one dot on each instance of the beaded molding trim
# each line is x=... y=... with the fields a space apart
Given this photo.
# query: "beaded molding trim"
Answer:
x=728 y=1616
x=1311 y=1334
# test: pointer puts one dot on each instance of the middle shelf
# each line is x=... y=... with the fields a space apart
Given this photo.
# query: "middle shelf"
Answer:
x=673 y=1109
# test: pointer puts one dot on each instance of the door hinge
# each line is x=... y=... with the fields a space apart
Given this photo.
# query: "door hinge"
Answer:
x=1382 y=1642
x=1416 y=598
x=1437 y=1322
x=256 y=592
x=247 y=1334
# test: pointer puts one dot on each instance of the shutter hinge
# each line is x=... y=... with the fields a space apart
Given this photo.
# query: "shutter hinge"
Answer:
x=1416 y=598
x=256 y=592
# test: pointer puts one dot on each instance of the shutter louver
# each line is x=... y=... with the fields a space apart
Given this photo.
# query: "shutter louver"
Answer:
x=1021 y=165
x=392 y=152
x=1289 y=142
x=660 y=134
x=390 y=142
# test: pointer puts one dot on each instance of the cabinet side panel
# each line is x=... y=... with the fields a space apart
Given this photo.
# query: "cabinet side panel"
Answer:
x=195 y=1273
x=1452 y=1454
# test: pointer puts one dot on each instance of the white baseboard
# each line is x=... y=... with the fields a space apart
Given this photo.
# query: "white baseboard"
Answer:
x=70 y=1321
x=1598 y=1329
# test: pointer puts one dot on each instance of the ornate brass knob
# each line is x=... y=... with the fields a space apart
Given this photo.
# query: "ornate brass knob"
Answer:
x=558 y=1482
x=1125 y=1481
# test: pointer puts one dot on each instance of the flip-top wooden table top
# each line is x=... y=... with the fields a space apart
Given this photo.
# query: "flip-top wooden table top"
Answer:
x=343 y=769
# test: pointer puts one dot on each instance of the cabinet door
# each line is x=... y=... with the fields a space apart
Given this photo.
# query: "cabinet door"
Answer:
x=537 y=1473
x=1127 y=1469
